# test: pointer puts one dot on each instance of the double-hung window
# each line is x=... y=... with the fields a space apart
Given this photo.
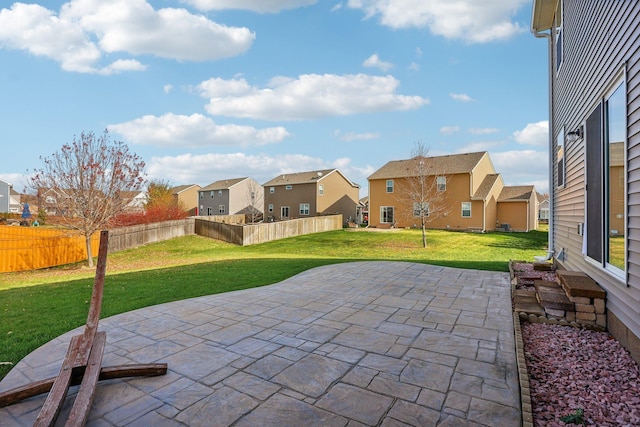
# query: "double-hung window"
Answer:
x=466 y=209
x=560 y=154
x=441 y=182
x=421 y=209
x=304 y=208
x=606 y=177
x=221 y=209
x=389 y=186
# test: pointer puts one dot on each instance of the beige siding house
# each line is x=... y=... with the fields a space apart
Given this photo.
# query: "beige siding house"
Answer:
x=594 y=87
x=187 y=196
x=470 y=193
x=313 y=193
x=230 y=197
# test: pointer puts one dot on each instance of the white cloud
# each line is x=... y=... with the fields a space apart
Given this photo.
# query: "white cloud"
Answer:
x=80 y=35
x=449 y=130
x=533 y=134
x=167 y=88
x=469 y=20
x=462 y=97
x=374 y=61
x=474 y=147
x=308 y=96
x=483 y=131
x=352 y=136
x=172 y=130
x=260 y=6
x=523 y=167
x=414 y=66
x=20 y=182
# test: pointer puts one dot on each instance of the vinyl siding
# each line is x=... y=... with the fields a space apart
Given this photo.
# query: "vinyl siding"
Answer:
x=600 y=38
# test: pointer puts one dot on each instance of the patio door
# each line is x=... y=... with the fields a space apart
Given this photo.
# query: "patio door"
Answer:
x=284 y=212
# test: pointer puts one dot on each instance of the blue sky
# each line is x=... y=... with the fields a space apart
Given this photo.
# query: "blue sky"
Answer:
x=205 y=90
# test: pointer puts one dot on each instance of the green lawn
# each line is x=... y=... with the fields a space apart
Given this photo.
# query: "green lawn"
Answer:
x=37 y=306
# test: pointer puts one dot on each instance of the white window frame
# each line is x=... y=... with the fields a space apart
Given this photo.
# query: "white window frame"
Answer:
x=321 y=189
x=212 y=194
x=282 y=212
x=441 y=183
x=417 y=210
x=559 y=35
x=463 y=210
x=384 y=213
x=304 y=209
x=272 y=190
x=288 y=187
x=270 y=208
x=222 y=209
x=389 y=185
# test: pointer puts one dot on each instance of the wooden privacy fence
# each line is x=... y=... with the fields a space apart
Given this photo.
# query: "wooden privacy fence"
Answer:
x=29 y=248
x=251 y=234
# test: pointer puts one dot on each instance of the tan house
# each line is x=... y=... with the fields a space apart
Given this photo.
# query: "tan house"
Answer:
x=594 y=196
x=518 y=208
x=470 y=195
x=230 y=197
x=313 y=193
x=187 y=196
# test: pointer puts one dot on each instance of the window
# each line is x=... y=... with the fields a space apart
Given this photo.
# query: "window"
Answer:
x=389 y=186
x=606 y=173
x=304 y=208
x=288 y=187
x=386 y=214
x=201 y=195
x=466 y=209
x=272 y=190
x=221 y=209
x=209 y=211
x=270 y=207
x=441 y=181
x=284 y=211
x=212 y=194
x=219 y=192
x=253 y=196
x=421 y=209
x=559 y=36
x=321 y=189
x=560 y=158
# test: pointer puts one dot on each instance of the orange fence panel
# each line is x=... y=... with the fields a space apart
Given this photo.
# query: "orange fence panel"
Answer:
x=29 y=248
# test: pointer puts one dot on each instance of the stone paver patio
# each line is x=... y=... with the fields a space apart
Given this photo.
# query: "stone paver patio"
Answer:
x=356 y=344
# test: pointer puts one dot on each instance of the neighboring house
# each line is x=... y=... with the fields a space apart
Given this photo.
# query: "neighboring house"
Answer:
x=543 y=208
x=5 y=197
x=15 y=204
x=187 y=197
x=230 y=197
x=313 y=193
x=473 y=196
x=518 y=208
x=135 y=200
x=594 y=157
x=362 y=211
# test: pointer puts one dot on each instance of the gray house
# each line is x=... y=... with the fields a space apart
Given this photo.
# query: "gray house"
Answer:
x=231 y=197
x=5 y=197
x=594 y=145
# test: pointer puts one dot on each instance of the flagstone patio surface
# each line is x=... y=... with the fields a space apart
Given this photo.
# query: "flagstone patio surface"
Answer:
x=355 y=344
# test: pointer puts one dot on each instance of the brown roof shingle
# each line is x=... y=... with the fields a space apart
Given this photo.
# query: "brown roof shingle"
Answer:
x=438 y=165
x=487 y=184
x=300 y=177
x=516 y=193
x=223 y=184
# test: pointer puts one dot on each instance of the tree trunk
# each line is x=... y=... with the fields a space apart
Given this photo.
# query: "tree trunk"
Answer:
x=424 y=235
x=89 y=251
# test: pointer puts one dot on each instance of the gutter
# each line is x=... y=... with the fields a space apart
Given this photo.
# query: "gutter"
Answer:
x=548 y=36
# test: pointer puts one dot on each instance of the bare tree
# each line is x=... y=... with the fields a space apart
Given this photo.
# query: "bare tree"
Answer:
x=90 y=178
x=422 y=189
x=254 y=201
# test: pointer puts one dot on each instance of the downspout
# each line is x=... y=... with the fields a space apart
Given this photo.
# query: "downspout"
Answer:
x=551 y=250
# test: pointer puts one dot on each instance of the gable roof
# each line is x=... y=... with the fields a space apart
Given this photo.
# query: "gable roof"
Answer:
x=305 y=178
x=223 y=184
x=438 y=165
x=180 y=188
x=516 y=193
x=542 y=14
x=485 y=187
